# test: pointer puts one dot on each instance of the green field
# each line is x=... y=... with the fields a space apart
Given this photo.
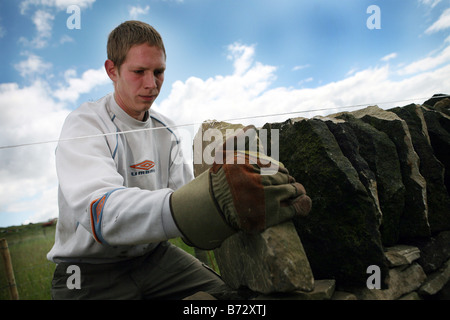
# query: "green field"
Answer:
x=28 y=246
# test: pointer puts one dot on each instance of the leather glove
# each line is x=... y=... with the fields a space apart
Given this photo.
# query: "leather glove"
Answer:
x=233 y=195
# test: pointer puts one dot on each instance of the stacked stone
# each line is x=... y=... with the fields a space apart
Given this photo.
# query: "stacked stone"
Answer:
x=379 y=181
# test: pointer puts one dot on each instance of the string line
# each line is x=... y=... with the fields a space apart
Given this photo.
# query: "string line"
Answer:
x=199 y=123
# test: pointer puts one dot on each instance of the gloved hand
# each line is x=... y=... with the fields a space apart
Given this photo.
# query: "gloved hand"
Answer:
x=233 y=195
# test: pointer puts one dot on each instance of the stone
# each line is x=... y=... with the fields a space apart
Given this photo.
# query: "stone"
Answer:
x=348 y=142
x=439 y=102
x=201 y=295
x=436 y=281
x=430 y=167
x=342 y=295
x=414 y=222
x=411 y=296
x=438 y=125
x=400 y=255
x=381 y=155
x=271 y=261
x=402 y=281
x=433 y=251
x=341 y=234
x=323 y=290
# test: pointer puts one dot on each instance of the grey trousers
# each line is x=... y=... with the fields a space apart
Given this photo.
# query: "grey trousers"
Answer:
x=167 y=273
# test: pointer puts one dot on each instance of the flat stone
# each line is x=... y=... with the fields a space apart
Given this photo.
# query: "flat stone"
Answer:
x=272 y=261
x=436 y=281
x=323 y=290
x=401 y=282
x=342 y=295
x=411 y=296
x=402 y=255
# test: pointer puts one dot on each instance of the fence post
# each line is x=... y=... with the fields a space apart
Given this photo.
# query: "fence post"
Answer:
x=9 y=269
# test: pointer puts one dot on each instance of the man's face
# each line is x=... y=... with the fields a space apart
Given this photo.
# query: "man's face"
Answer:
x=139 y=81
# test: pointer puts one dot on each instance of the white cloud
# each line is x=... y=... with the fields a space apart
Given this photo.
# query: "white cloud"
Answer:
x=441 y=24
x=33 y=65
x=136 y=11
x=65 y=38
x=29 y=114
x=427 y=63
x=30 y=123
x=247 y=93
x=76 y=86
x=389 y=56
x=43 y=18
x=43 y=22
x=58 y=4
x=296 y=68
x=431 y=3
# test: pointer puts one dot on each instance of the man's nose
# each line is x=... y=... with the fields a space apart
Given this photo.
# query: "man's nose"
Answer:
x=150 y=81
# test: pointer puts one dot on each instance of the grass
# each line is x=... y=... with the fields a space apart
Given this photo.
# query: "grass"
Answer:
x=28 y=246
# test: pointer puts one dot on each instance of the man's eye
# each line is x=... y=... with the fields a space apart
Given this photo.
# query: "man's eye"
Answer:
x=139 y=71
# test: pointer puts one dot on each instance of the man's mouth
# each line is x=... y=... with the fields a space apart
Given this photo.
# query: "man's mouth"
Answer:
x=148 y=98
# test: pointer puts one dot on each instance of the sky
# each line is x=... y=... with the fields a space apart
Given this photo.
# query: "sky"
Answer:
x=249 y=62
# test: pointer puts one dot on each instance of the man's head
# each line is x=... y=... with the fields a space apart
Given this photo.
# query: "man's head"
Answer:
x=136 y=64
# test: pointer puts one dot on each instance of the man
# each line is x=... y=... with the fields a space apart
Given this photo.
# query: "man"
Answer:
x=122 y=195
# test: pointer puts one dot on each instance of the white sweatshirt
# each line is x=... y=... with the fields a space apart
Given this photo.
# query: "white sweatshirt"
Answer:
x=114 y=190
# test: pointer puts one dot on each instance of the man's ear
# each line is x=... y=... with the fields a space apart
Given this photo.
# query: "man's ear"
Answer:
x=111 y=70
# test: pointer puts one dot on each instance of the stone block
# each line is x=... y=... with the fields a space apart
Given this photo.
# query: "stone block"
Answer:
x=430 y=167
x=323 y=290
x=414 y=221
x=273 y=261
x=402 y=281
x=401 y=255
x=341 y=234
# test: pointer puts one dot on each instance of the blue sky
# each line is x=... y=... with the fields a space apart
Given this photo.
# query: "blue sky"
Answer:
x=225 y=60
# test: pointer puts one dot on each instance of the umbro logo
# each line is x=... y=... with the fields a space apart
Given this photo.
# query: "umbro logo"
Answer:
x=144 y=167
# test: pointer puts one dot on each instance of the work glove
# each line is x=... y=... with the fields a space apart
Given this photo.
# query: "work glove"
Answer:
x=234 y=195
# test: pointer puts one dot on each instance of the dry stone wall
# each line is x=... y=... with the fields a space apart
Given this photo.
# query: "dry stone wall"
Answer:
x=379 y=181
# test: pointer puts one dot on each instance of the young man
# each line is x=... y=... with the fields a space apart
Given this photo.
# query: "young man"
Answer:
x=122 y=195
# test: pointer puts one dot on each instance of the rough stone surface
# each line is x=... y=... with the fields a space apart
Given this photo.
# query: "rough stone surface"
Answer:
x=355 y=168
x=438 y=125
x=414 y=222
x=430 y=167
x=381 y=156
x=323 y=290
x=401 y=281
x=433 y=251
x=436 y=281
x=401 y=255
x=273 y=261
x=343 y=221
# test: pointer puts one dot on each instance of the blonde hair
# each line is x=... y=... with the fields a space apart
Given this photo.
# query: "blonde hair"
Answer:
x=129 y=34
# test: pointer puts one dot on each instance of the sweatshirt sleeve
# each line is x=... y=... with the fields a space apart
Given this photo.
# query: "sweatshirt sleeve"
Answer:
x=94 y=190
